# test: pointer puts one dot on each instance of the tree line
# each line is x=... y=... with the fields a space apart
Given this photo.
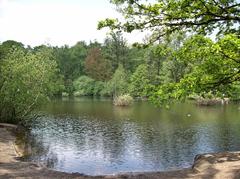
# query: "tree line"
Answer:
x=179 y=60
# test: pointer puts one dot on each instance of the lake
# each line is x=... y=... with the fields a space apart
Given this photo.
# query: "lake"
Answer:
x=92 y=136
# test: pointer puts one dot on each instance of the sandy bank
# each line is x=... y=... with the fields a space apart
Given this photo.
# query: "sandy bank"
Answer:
x=217 y=166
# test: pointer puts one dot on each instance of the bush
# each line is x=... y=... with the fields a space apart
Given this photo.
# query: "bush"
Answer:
x=26 y=80
x=64 y=94
x=86 y=86
x=123 y=100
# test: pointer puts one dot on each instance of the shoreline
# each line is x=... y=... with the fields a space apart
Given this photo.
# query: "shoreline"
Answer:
x=214 y=165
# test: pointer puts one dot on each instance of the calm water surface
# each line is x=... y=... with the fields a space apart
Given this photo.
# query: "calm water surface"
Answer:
x=92 y=136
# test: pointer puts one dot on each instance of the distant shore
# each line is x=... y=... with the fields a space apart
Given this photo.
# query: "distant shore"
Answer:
x=216 y=165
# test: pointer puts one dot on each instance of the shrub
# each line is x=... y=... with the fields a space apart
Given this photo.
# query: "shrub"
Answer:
x=84 y=86
x=26 y=80
x=123 y=100
x=64 y=94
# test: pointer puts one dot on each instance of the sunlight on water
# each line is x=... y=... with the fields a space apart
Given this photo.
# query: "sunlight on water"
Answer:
x=94 y=137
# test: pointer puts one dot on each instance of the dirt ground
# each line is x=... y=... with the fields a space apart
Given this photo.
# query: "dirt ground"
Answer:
x=207 y=166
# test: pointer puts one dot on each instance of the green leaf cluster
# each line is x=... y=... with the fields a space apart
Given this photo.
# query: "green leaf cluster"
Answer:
x=26 y=80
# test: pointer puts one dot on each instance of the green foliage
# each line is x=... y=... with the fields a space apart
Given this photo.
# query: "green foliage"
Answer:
x=118 y=84
x=7 y=46
x=199 y=66
x=26 y=81
x=155 y=57
x=98 y=88
x=58 y=78
x=214 y=69
x=165 y=17
x=107 y=22
x=139 y=82
x=86 y=86
x=116 y=50
x=174 y=67
x=71 y=63
x=136 y=57
x=235 y=91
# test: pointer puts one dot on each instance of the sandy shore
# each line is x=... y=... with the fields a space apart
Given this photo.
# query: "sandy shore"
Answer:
x=216 y=166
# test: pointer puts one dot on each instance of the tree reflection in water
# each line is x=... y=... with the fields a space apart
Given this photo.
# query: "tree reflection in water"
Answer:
x=95 y=137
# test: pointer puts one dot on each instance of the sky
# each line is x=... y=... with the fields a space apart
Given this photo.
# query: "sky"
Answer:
x=56 y=22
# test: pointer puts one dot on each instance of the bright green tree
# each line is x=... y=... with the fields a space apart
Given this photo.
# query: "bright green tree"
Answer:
x=26 y=80
x=140 y=82
x=84 y=86
x=116 y=50
x=214 y=68
x=173 y=68
x=118 y=85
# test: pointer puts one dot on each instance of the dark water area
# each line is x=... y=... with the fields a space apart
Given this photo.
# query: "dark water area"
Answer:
x=92 y=136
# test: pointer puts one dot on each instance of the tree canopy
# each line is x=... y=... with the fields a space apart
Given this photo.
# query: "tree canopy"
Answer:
x=213 y=67
x=204 y=65
x=167 y=16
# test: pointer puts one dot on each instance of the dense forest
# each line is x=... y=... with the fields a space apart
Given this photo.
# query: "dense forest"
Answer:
x=176 y=63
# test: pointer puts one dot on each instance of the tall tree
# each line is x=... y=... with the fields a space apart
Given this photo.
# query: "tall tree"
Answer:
x=140 y=82
x=174 y=68
x=118 y=85
x=78 y=54
x=116 y=50
x=96 y=66
x=71 y=63
x=155 y=56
